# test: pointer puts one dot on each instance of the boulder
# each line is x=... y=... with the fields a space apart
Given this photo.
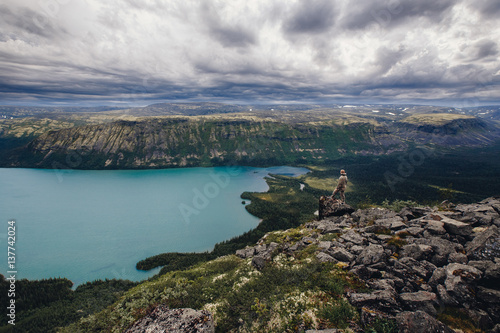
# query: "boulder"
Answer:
x=247 y=252
x=323 y=257
x=460 y=282
x=353 y=237
x=435 y=227
x=324 y=245
x=420 y=322
x=412 y=250
x=444 y=297
x=372 y=254
x=485 y=246
x=458 y=258
x=329 y=206
x=383 y=300
x=421 y=300
x=455 y=227
x=365 y=216
x=258 y=262
x=267 y=254
x=328 y=227
x=487 y=295
x=341 y=254
x=163 y=319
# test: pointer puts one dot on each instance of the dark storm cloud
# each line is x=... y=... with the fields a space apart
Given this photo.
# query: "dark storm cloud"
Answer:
x=227 y=33
x=488 y=8
x=390 y=13
x=316 y=16
x=25 y=20
x=486 y=48
x=133 y=52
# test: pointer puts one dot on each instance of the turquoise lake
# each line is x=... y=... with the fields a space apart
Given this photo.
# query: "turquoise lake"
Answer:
x=88 y=225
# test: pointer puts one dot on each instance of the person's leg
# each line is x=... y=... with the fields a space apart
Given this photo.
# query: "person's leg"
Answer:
x=335 y=192
x=342 y=196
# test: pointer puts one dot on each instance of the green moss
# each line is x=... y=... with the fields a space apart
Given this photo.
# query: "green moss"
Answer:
x=397 y=242
x=458 y=319
x=338 y=314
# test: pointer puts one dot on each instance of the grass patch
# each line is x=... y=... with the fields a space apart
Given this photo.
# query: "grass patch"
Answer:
x=397 y=241
x=458 y=319
x=338 y=314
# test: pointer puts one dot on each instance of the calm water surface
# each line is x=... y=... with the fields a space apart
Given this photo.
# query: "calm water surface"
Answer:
x=87 y=225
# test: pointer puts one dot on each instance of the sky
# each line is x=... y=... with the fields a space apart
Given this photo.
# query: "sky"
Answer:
x=139 y=52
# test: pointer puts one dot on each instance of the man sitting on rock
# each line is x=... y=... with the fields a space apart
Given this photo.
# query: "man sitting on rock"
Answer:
x=342 y=183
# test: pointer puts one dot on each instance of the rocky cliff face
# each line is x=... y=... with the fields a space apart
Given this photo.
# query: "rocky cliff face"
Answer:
x=419 y=263
x=176 y=142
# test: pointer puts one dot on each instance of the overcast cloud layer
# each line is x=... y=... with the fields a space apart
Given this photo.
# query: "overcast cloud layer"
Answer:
x=137 y=52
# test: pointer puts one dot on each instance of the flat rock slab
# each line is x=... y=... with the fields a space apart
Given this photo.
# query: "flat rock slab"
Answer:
x=453 y=226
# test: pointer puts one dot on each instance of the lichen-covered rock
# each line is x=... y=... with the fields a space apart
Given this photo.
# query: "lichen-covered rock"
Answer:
x=421 y=300
x=486 y=245
x=329 y=206
x=372 y=254
x=163 y=319
x=420 y=322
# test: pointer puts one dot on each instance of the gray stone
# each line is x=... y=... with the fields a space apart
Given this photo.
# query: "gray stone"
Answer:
x=258 y=262
x=328 y=227
x=353 y=237
x=459 y=280
x=356 y=249
x=260 y=248
x=270 y=250
x=389 y=222
x=324 y=245
x=308 y=240
x=364 y=216
x=247 y=252
x=420 y=322
x=456 y=227
x=329 y=206
x=438 y=277
x=163 y=319
x=482 y=265
x=411 y=250
x=487 y=295
x=421 y=300
x=341 y=254
x=371 y=255
x=415 y=231
x=409 y=268
x=435 y=227
x=363 y=272
x=323 y=257
x=485 y=246
x=384 y=300
x=458 y=258
x=382 y=284
x=444 y=297
x=441 y=247
x=397 y=225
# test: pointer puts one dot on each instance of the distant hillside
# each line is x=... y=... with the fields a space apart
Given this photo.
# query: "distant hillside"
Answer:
x=156 y=142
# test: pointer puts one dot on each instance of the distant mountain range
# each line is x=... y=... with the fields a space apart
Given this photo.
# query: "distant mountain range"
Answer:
x=208 y=134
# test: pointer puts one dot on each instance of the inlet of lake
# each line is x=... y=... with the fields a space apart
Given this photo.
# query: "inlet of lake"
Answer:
x=87 y=225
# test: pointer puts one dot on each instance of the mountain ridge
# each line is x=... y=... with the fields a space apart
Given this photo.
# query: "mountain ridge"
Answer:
x=179 y=141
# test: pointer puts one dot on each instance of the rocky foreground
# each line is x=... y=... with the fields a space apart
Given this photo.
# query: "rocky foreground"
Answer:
x=425 y=270
x=418 y=262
